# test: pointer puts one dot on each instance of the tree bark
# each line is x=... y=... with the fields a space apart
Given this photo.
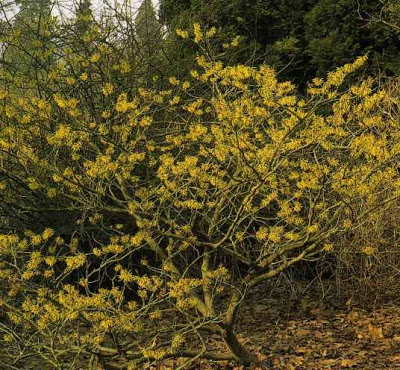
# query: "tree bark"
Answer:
x=245 y=356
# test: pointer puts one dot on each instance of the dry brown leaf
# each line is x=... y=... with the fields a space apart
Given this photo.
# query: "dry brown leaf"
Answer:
x=375 y=332
x=395 y=359
x=298 y=360
x=348 y=362
x=353 y=316
x=303 y=332
x=328 y=362
x=303 y=350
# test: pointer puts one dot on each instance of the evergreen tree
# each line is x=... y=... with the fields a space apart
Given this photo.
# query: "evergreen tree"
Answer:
x=34 y=8
x=30 y=51
x=338 y=31
x=148 y=29
x=148 y=34
x=83 y=16
x=299 y=38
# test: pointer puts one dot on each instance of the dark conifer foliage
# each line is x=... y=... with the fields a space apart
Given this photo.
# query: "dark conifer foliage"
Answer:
x=301 y=39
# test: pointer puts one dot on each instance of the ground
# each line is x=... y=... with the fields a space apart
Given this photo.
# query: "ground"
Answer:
x=288 y=332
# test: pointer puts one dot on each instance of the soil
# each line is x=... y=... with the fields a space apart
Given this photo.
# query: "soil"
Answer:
x=298 y=329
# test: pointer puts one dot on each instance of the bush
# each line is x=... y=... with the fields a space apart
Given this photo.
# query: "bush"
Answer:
x=368 y=261
x=160 y=209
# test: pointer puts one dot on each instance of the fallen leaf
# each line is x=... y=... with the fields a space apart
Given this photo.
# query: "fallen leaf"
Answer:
x=375 y=332
x=303 y=350
x=328 y=362
x=303 y=332
x=394 y=359
x=348 y=362
x=298 y=360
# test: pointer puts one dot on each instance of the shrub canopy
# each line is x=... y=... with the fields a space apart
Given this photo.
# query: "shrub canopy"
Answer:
x=139 y=217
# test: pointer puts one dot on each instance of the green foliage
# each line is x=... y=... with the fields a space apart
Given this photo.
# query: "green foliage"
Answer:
x=390 y=15
x=271 y=32
x=147 y=26
x=301 y=39
x=336 y=33
x=34 y=8
x=148 y=37
x=84 y=16
x=27 y=41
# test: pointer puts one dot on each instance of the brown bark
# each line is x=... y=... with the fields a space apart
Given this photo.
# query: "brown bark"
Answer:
x=242 y=353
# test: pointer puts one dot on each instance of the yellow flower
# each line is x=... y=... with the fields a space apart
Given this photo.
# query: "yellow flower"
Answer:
x=122 y=106
x=50 y=261
x=156 y=315
x=175 y=100
x=60 y=101
x=369 y=250
x=33 y=184
x=211 y=32
x=97 y=252
x=74 y=262
x=51 y=193
x=34 y=260
x=194 y=74
x=70 y=80
x=146 y=121
x=3 y=94
x=48 y=273
x=126 y=276
x=275 y=234
x=182 y=33
x=84 y=77
x=95 y=58
x=235 y=41
x=108 y=89
x=106 y=114
x=125 y=67
x=185 y=85
x=173 y=81
x=177 y=341
x=347 y=223
x=312 y=228
x=262 y=233
x=47 y=233
x=7 y=338
x=198 y=35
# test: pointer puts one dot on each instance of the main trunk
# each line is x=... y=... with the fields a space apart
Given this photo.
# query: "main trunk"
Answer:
x=245 y=356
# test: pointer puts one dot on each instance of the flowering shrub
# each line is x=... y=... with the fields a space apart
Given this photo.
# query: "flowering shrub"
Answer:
x=160 y=208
